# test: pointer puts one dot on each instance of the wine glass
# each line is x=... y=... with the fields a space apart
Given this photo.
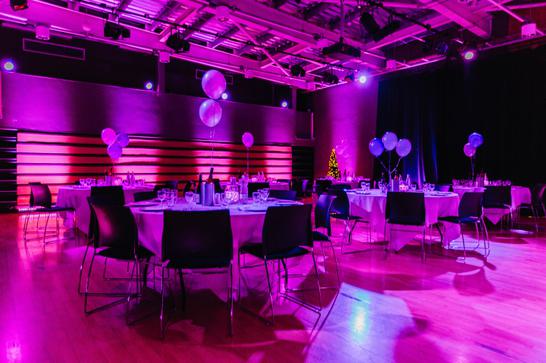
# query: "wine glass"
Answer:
x=161 y=195
x=189 y=198
x=265 y=192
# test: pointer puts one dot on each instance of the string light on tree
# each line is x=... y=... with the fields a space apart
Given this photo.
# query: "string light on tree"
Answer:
x=333 y=167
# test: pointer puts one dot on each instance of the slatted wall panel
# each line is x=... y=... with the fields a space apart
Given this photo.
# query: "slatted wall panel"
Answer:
x=60 y=159
x=8 y=170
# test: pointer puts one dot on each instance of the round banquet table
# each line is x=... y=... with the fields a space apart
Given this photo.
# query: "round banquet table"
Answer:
x=246 y=224
x=76 y=197
x=371 y=207
x=520 y=195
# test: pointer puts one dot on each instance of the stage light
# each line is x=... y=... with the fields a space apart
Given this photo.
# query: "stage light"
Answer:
x=330 y=78
x=349 y=77
x=177 y=43
x=225 y=96
x=164 y=57
x=470 y=55
x=149 y=85
x=370 y=25
x=18 y=4
x=8 y=65
x=297 y=71
x=284 y=104
x=116 y=31
x=362 y=79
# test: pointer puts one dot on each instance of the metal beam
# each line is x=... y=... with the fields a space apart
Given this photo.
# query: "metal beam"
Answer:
x=170 y=7
x=220 y=39
x=182 y=18
x=203 y=19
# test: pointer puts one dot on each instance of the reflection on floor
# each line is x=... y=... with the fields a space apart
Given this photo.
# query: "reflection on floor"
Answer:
x=393 y=309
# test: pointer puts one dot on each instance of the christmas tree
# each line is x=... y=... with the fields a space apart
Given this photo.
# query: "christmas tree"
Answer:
x=333 y=168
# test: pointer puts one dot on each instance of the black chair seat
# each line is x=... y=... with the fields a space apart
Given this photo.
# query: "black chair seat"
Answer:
x=51 y=209
x=345 y=217
x=318 y=236
x=497 y=205
x=199 y=263
x=462 y=220
x=124 y=253
x=256 y=250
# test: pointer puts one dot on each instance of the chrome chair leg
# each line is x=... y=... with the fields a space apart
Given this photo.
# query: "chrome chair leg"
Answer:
x=270 y=292
x=423 y=252
x=86 y=293
x=317 y=278
x=81 y=269
x=464 y=244
x=45 y=228
x=162 y=311
x=230 y=299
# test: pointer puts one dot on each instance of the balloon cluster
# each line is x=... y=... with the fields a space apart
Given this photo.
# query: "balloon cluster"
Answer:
x=475 y=140
x=115 y=141
x=389 y=142
x=214 y=84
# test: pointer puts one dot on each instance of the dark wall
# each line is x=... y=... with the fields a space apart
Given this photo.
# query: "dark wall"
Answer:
x=503 y=97
x=344 y=119
x=48 y=104
x=109 y=64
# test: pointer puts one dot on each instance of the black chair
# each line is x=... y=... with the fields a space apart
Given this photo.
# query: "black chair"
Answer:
x=499 y=197
x=255 y=186
x=322 y=222
x=301 y=187
x=339 y=187
x=115 y=237
x=443 y=188
x=40 y=203
x=536 y=207
x=287 y=233
x=283 y=194
x=108 y=195
x=470 y=213
x=341 y=210
x=197 y=240
x=169 y=184
x=406 y=209
x=142 y=196
x=321 y=185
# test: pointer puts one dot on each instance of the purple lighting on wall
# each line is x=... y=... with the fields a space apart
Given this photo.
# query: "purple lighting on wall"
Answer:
x=149 y=85
x=225 y=96
x=284 y=104
x=470 y=55
x=8 y=65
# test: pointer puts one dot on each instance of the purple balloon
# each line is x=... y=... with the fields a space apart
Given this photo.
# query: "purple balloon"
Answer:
x=248 y=139
x=108 y=136
x=403 y=148
x=469 y=150
x=114 y=151
x=376 y=147
x=210 y=113
x=213 y=83
x=475 y=140
x=122 y=139
x=390 y=140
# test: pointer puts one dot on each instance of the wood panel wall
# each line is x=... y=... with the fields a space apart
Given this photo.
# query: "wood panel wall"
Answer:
x=63 y=159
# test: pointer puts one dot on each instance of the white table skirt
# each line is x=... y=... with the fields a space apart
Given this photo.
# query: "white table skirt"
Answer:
x=76 y=197
x=520 y=195
x=371 y=207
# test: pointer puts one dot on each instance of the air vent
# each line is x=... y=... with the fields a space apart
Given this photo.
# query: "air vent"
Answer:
x=53 y=49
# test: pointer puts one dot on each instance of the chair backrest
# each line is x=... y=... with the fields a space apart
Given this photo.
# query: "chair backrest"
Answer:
x=40 y=195
x=322 y=212
x=497 y=196
x=442 y=187
x=254 y=187
x=405 y=208
x=140 y=196
x=115 y=228
x=198 y=238
x=340 y=187
x=286 y=227
x=471 y=205
x=108 y=195
x=321 y=185
x=340 y=204
x=537 y=193
x=284 y=194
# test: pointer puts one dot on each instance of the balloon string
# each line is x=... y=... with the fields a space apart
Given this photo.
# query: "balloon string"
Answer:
x=211 y=137
x=247 y=161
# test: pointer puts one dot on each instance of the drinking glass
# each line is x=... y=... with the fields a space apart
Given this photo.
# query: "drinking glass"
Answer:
x=171 y=201
x=256 y=197
x=413 y=187
x=189 y=198
x=265 y=192
x=161 y=196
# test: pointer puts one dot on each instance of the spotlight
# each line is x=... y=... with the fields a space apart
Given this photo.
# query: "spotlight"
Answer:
x=8 y=65
x=164 y=57
x=18 y=4
x=116 y=31
x=368 y=22
x=225 y=96
x=470 y=55
x=149 y=85
x=362 y=79
x=330 y=78
x=297 y=70
x=349 y=77
x=284 y=104
x=177 y=43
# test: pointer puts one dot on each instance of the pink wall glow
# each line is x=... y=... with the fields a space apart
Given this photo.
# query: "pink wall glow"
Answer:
x=345 y=119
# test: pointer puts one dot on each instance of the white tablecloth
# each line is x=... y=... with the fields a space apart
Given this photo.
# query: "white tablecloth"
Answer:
x=76 y=197
x=371 y=207
x=520 y=195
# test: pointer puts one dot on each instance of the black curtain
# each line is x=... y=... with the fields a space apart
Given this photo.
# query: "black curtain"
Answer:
x=503 y=97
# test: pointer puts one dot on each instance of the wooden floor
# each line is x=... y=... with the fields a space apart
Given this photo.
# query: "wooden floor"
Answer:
x=387 y=310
